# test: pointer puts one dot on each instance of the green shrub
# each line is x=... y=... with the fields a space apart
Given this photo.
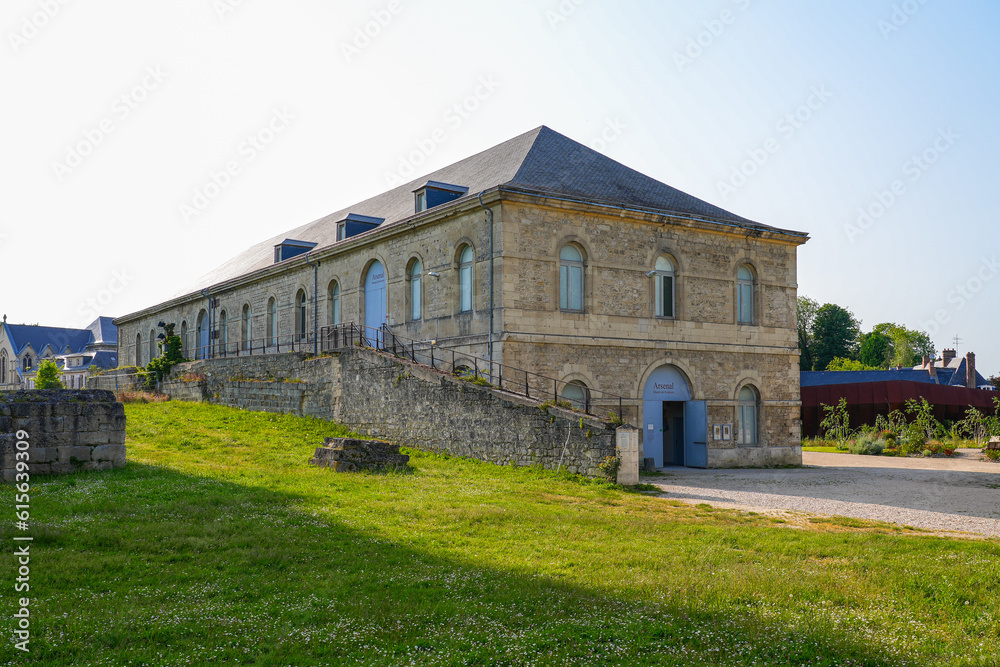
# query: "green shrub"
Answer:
x=866 y=444
x=609 y=467
x=48 y=376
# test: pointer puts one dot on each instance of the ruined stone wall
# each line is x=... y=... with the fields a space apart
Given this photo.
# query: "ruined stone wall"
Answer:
x=68 y=430
x=404 y=403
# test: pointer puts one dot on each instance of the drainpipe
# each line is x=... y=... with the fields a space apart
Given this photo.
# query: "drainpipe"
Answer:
x=315 y=312
x=489 y=219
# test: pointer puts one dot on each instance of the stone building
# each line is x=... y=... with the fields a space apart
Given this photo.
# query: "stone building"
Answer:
x=76 y=351
x=544 y=255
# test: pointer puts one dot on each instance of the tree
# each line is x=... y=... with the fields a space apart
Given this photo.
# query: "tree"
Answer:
x=805 y=312
x=841 y=364
x=835 y=334
x=995 y=381
x=908 y=346
x=170 y=355
x=48 y=376
x=876 y=350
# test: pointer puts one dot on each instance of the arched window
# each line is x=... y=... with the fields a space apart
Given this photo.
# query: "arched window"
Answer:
x=138 y=349
x=334 y=296
x=3 y=366
x=152 y=344
x=465 y=261
x=571 y=278
x=223 y=330
x=27 y=363
x=245 y=327
x=416 y=268
x=663 y=287
x=746 y=416
x=576 y=393
x=272 y=321
x=184 y=339
x=744 y=295
x=301 y=318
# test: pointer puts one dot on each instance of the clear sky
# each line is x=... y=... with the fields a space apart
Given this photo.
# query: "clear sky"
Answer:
x=869 y=124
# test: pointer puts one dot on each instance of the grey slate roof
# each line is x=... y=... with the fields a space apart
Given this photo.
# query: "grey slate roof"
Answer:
x=22 y=335
x=954 y=377
x=540 y=161
x=104 y=331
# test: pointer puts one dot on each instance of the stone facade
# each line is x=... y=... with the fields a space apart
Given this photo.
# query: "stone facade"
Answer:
x=68 y=431
x=404 y=403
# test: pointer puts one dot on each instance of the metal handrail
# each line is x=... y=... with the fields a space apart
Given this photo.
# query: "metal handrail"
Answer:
x=335 y=337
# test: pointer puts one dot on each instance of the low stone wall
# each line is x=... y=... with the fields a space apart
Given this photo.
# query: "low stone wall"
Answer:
x=405 y=403
x=352 y=454
x=68 y=431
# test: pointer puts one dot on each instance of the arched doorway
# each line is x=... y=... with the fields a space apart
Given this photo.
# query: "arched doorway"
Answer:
x=202 y=337
x=375 y=301
x=675 y=426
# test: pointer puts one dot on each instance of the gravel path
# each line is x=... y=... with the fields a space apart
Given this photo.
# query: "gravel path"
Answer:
x=960 y=494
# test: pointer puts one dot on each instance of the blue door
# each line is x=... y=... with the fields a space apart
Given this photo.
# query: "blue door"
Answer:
x=203 y=336
x=695 y=434
x=375 y=301
x=665 y=384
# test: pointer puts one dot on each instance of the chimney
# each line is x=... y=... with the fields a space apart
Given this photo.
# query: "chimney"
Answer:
x=926 y=359
x=932 y=369
x=970 y=370
x=948 y=356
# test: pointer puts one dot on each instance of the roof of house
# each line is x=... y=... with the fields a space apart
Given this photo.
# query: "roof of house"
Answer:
x=104 y=330
x=38 y=337
x=950 y=376
x=101 y=331
x=541 y=161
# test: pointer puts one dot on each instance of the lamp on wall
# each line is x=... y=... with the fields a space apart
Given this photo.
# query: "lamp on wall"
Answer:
x=651 y=274
x=434 y=274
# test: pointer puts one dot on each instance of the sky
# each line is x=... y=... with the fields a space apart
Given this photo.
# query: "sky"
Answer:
x=146 y=143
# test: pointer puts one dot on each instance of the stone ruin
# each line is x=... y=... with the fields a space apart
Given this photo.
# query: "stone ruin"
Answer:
x=352 y=454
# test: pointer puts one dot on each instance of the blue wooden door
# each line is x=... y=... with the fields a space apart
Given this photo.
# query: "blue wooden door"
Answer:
x=375 y=301
x=696 y=434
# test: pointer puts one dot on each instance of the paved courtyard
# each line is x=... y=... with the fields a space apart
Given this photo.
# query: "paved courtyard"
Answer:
x=959 y=494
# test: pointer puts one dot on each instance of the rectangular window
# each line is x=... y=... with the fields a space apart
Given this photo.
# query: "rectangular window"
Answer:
x=415 y=297
x=664 y=296
x=570 y=287
x=465 y=278
x=745 y=294
x=747 y=426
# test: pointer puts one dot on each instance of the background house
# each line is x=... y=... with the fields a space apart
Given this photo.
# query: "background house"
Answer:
x=76 y=351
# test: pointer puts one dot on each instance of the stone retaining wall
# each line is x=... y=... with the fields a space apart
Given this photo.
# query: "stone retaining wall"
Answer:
x=405 y=403
x=68 y=430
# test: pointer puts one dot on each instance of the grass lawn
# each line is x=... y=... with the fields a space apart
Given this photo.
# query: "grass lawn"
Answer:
x=218 y=544
x=827 y=450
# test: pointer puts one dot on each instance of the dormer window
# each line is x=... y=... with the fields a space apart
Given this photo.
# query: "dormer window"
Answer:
x=435 y=193
x=291 y=248
x=355 y=224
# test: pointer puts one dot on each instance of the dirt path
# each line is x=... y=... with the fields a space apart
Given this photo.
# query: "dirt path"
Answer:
x=960 y=494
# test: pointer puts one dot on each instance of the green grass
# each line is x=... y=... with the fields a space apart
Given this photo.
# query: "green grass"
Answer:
x=828 y=450
x=219 y=545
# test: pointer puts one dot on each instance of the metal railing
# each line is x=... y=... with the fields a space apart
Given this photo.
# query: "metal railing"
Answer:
x=440 y=358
